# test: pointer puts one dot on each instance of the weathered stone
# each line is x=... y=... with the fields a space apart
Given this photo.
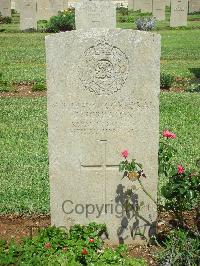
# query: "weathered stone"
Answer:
x=194 y=6
x=5 y=8
x=130 y=4
x=179 y=10
x=159 y=9
x=95 y=14
x=103 y=98
x=146 y=6
x=28 y=15
x=137 y=5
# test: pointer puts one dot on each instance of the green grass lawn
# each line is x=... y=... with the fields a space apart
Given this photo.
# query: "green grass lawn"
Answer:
x=23 y=146
x=23 y=54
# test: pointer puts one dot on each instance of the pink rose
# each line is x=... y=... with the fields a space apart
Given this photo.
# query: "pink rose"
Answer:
x=124 y=154
x=180 y=169
x=169 y=135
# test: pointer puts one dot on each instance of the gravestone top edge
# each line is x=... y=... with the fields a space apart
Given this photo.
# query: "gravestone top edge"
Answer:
x=103 y=31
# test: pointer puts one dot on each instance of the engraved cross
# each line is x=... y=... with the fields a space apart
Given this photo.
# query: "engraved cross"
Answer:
x=102 y=167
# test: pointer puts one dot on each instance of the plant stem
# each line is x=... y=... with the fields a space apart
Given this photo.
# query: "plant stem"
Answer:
x=146 y=192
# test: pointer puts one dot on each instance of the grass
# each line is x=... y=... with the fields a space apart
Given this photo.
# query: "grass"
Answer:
x=23 y=147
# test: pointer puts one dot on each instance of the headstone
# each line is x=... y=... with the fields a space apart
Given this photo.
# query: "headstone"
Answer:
x=194 y=6
x=130 y=4
x=45 y=9
x=137 y=5
x=179 y=10
x=95 y=14
x=167 y=2
x=28 y=15
x=146 y=6
x=159 y=9
x=5 y=8
x=103 y=98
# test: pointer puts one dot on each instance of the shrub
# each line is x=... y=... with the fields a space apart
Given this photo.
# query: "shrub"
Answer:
x=122 y=10
x=166 y=80
x=5 y=86
x=65 y=21
x=145 y=24
x=5 y=20
x=180 y=249
x=194 y=87
x=39 y=86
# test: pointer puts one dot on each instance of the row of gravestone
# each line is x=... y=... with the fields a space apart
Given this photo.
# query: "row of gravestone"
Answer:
x=33 y=10
x=179 y=9
x=103 y=89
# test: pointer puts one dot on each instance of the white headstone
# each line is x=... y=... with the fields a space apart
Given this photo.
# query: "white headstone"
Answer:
x=130 y=4
x=45 y=9
x=159 y=9
x=5 y=8
x=194 y=6
x=95 y=14
x=28 y=16
x=179 y=10
x=146 y=6
x=103 y=97
x=137 y=5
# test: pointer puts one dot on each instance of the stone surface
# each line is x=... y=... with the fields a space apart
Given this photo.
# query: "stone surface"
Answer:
x=45 y=9
x=103 y=97
x=5 y=8
x=130 y=4
x=95 y=14
x=146 y=6
x=194 y=6
x=159 y=9
x=179 y=10
x=137 y=5
x=28 y=15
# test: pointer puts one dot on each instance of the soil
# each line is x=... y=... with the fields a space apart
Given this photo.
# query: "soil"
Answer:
x=16 y=227
x=26 y=91
x=23 y=91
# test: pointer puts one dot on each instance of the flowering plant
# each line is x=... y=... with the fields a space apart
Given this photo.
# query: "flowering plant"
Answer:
x=133 y=171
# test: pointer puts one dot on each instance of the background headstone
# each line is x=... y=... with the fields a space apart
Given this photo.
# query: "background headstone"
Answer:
x=95 y=14
x=137 y=5
x=194 y=6
x=28 y=15
x=179 y=10
x=130 y=4
x=159 y=9
x=5 y=8
x=103 y=97
x=146 y=6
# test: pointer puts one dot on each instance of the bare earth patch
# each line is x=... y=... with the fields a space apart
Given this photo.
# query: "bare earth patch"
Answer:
x=23 y=91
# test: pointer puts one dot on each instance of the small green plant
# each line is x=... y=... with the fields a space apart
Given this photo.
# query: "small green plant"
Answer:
x=39 y=86
x=180 y=249
x=166 y=80
x=5 y=20
x=194 y=87
x=166 y=153
x=5 y=86
x=182 y=190
x=81 y=245
x=133 y=171
x=65 y=21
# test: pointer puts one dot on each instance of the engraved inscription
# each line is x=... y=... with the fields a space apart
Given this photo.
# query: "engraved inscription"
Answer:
x=104 y=69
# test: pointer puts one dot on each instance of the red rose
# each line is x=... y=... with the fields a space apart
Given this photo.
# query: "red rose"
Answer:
x=84 y=252
x=47 y=245
x=91 y=240
x=180 y=169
